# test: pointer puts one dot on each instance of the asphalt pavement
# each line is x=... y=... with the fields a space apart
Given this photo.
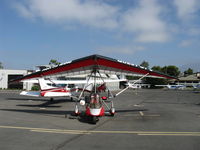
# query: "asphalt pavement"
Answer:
x=146 y=119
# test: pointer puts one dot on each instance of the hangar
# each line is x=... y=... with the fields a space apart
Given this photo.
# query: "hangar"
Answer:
x=6 y=75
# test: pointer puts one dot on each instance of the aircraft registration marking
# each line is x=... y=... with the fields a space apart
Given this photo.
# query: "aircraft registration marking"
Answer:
x=141 y=133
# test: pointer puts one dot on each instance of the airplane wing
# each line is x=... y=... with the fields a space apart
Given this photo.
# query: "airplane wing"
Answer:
x=162 y=85
x=30 y=93
x=91 y=63
x=74 y=81
x=172 y=85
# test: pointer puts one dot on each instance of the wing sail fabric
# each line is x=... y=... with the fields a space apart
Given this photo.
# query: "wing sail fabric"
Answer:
x=94 y=62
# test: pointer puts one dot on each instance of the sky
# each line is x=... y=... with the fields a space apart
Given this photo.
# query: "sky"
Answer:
x=32 y=32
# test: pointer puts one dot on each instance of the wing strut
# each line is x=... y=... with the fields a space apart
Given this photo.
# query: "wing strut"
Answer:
x=109 y=93
x=85 y=86
x=131 y=85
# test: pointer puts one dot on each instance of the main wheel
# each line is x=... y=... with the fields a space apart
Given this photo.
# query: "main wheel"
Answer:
x=76 y=111
x=71 y=99
x=112 y=111
x=94 y=119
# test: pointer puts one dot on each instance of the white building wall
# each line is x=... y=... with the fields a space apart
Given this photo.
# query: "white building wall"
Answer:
x=4 y=73
x=113 y=86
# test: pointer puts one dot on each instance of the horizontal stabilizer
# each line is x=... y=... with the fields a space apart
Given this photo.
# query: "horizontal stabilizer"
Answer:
x=30 y=93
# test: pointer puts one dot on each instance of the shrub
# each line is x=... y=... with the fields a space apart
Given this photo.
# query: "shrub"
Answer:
x=35 y=88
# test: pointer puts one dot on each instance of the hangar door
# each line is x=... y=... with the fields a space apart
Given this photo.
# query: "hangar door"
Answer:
x=15 y=85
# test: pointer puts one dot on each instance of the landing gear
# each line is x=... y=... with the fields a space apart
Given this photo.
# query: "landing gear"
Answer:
x=71 y=99
x=76 y=111
x=112 y=111
x=94 y=119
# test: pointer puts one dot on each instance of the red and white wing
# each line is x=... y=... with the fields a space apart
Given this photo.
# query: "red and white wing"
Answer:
x=94 y=62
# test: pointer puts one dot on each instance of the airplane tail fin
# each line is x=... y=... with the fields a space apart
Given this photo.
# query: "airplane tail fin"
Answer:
x=43 y=84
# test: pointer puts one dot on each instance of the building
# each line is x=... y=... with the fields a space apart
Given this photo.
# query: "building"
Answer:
x=6 y=75
x=189 y=80
x=112 y=85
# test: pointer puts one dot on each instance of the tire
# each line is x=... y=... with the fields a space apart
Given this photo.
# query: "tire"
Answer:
x=94 y=119
x=71 y=99
x=111 y=114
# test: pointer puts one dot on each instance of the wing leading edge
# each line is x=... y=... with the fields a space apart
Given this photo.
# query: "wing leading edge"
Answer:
x=94 y=62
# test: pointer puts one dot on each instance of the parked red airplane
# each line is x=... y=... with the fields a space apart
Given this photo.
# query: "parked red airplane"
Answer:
x=62 y=88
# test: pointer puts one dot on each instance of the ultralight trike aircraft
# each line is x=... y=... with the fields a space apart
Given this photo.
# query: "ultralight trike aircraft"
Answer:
x=95 y=65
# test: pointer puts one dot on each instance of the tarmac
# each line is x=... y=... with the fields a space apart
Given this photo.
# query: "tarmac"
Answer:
x=146 y=119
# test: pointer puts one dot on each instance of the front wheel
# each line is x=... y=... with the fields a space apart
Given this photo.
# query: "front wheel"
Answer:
x=51 y=99
x=94 y=119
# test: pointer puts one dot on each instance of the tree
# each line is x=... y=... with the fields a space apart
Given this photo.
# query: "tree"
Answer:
x=145 y=64
x=54 y=62
x=171 y=70
x=157 y=68
x=156 y=81
x=1 y=65
x=188 y=72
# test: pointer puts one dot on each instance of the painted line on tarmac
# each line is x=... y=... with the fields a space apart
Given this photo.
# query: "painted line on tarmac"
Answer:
x=60 y=132
x=47 y=130
x=141 y=113
x=141 y=133
x=150 y=115
x=170 y=134
x=153 y=115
